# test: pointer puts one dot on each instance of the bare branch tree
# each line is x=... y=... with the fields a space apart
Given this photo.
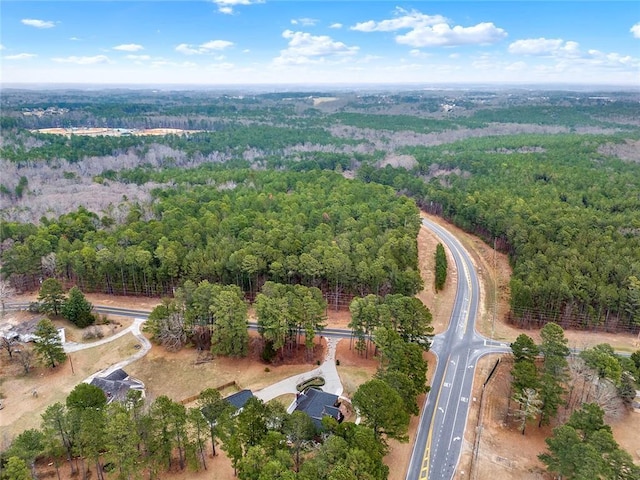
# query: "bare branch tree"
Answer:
x=605 y=394
x=9 y=344
x=172 y=333
x=6 y=292
x=585 y=386
x=530 y=405
x=48 y=263
x=25 y=357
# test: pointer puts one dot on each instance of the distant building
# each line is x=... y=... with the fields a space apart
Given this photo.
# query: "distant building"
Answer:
x=318 y=404
x=25 y=332
x=117 y=384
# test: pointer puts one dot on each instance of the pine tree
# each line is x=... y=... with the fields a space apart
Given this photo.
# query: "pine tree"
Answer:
x=52 y=296
x=48 y=345
x=77 y=309
x=441 y=267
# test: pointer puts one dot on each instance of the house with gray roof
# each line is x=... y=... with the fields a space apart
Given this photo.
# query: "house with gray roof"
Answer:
x=239 y=399
x=317 y=404
x=117 y=384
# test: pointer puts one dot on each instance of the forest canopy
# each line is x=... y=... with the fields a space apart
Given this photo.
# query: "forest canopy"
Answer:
x=243 y=228
x=568 y=217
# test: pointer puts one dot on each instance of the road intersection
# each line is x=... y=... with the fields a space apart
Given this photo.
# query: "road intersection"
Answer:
x=440 y=434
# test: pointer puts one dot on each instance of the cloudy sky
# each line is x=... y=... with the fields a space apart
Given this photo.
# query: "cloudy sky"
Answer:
x=317 y=41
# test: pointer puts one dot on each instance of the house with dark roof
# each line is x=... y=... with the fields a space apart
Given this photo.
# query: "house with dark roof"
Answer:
x=117 y=384
x=239 y=399
x=317 y=404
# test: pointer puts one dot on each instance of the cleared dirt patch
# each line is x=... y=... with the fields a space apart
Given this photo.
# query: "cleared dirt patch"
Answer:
x=354 y=369
x=180 y=375
x=22 y=408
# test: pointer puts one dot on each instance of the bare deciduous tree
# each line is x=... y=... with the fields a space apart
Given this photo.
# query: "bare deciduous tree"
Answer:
x=9 y=344
x=530 y=405
x=25 y=357
x=585 y=386
x=6 y=292
x=172 y=334
x=48 y=263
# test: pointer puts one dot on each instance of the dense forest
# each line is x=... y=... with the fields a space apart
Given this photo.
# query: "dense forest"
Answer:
x=551 y=177
x=567 y=215
x=243 y=227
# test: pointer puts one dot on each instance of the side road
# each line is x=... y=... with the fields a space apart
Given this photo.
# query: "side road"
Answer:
x=327 y=369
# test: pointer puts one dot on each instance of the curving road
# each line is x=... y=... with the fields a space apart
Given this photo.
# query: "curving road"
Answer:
x=440 y=435
x=439 y=439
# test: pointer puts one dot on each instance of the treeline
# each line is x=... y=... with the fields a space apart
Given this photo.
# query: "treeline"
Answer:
x=129 y=440
x=227 y=137
x=215 y=317
x=568 y=217
x=244 y=228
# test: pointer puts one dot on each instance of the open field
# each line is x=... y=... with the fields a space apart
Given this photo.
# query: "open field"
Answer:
x=113 y=132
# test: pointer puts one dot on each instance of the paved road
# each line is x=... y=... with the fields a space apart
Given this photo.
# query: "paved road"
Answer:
x=327 y=369
x=440 y=434
x=441 y=429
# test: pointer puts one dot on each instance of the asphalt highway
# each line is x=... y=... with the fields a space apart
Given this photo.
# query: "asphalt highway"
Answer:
x=440 y=433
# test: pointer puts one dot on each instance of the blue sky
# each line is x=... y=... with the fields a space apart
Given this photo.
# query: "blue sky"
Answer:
x=314 y=42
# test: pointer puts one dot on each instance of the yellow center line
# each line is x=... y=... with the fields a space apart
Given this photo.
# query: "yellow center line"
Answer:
x=427 y=451
x=424 y=472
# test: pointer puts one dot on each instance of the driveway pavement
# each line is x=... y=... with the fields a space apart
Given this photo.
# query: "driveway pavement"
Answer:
x=134 y=329
x=327 y=370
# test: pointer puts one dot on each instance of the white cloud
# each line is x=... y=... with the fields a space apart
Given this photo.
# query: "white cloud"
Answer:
x=207 y=47
x=635 y=30
x=33 y=22
x=216 y=45
x=433 y=30
x=97 y=59
x=544 y=47
x=610 y=60
x=1 y=47
x=404 y=20
x=129 y=47
x=305 y=22
x=566 y=57
x=442 y=35
x=74 y=39
x=306 y=48
x=20 y=56
x=335 y=25
x=418 y=53
x=138 y=57
x=187 y=49
x=226 y=6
